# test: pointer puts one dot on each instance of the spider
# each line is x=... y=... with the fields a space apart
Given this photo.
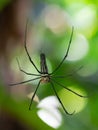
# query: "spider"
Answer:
x=44 y=76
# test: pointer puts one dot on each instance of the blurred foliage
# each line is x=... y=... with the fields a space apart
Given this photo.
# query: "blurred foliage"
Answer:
x=54 y=44
x=3 y=3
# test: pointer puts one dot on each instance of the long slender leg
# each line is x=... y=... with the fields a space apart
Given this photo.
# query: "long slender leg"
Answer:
x=34 y=94
x=60 y=100
x=62 y=76
x=14 y=84
x=68 y=75
x=69 y=89
x=27 y=49
x=65 y=54
x=25 y=71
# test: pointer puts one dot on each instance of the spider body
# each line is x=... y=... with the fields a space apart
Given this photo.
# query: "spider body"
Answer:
x=43 y=64
x=45 y=79
x=44 y=69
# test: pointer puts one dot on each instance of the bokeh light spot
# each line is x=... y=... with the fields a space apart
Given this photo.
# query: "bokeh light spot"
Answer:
x=86 y=18
x=56 y=19
x=78 y=49
x=49 y=113
x=71 y=101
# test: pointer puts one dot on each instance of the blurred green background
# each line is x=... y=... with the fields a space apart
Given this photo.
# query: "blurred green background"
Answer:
x=49 y=30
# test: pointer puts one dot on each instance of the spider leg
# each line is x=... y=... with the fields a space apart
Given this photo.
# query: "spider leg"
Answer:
x=68 y=75
x=27 y=49
x=62 y=76
x=69 y=89
x=65 y=54
x=34 y=94
x=60 y=100
x=25 y=71
x=14 y=84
